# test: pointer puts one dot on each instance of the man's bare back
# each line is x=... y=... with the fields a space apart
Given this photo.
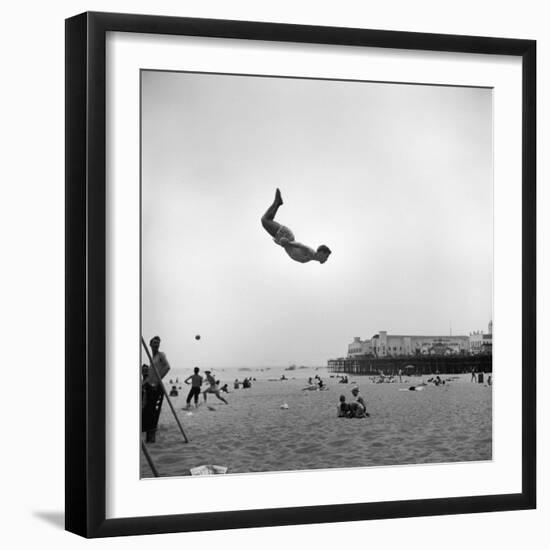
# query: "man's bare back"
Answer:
x=284 y=237
x=297 y=251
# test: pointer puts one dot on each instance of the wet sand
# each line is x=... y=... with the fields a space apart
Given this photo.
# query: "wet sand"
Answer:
x=450 y=423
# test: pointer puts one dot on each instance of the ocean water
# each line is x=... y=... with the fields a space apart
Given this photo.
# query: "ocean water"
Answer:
x=229 y=374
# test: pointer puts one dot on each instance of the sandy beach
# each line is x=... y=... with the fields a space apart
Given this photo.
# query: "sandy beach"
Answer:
x=450 y=423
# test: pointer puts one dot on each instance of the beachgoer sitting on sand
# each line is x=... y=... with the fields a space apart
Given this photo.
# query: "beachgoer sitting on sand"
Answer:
x=236 y=384
x=356 y=410
x=343 y=407
x=213 y=388
x=195 y=391
x=359 y=400
x=224 y=388
x=284 y=237
x=350 y=410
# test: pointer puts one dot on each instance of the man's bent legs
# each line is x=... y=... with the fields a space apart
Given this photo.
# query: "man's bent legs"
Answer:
x=270 y=226
x=221 y=398
x=268 y=219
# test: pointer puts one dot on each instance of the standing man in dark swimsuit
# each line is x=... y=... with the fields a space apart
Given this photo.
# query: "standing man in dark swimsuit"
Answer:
x=152 y=393
x=195 y=391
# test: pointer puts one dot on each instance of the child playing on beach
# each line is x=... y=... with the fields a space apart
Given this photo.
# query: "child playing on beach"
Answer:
x=284 y=237
x=195 y=391
x=213 y=388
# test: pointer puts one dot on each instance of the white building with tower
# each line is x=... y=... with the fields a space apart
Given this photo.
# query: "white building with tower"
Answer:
x=481 y=342
x=383 y=344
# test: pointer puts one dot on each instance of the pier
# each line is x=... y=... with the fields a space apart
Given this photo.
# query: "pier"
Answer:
x=418 y=364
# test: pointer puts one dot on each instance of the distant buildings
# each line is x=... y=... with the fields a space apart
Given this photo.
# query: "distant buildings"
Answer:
x=359 y=347
x=480 y=342
x=397 y=345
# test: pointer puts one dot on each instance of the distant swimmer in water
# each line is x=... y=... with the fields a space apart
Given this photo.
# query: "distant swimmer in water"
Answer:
x=284 y=237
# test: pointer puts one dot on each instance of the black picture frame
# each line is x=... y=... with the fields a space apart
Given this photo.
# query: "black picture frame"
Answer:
x=86 y=273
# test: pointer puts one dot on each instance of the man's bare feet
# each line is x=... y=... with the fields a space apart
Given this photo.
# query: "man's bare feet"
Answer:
x=278 y=197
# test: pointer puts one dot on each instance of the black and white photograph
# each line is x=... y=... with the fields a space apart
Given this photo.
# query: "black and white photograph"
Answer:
x=316 y=274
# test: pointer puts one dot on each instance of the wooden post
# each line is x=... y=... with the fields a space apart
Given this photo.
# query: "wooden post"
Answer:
x=149 y=460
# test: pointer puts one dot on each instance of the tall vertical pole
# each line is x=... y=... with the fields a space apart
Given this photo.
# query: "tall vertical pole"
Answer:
x=149 y=460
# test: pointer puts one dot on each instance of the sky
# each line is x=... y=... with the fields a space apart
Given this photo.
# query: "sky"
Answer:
x=396 y=179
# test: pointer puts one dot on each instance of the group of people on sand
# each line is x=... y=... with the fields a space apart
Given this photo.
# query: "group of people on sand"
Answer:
x=437 y=381
x=246 y=383
x=315 y=383
x=196 y=381
x=357 y=408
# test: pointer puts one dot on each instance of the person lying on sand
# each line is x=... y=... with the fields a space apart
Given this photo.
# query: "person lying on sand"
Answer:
x=213 y=387
x=284 y=237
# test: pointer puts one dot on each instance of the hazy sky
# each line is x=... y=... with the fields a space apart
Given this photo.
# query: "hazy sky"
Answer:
x=396 y=179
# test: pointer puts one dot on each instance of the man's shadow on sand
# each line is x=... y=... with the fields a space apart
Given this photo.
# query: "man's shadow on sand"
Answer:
x=57 y=519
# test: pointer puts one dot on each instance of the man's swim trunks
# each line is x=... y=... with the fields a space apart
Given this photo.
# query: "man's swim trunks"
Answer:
x=285 y=232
